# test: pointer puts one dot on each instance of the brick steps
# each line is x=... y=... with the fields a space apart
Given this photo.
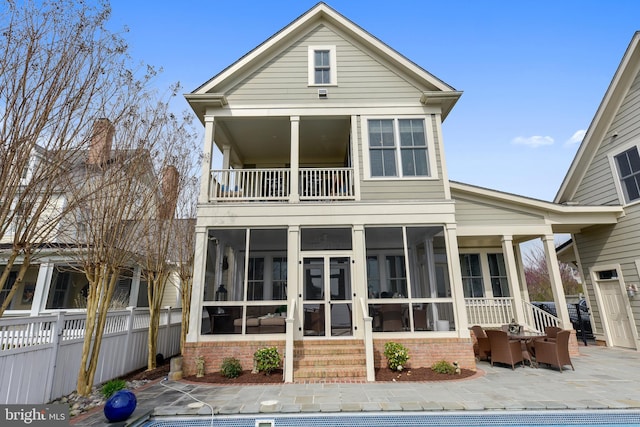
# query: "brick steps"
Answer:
x=322 y=360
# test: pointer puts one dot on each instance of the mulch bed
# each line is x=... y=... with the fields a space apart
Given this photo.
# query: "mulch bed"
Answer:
x=408 y=375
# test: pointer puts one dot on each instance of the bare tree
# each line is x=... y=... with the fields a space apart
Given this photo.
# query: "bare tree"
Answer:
x=184 y=251
x=55 y=57
x=537 y=277
x=161 y=234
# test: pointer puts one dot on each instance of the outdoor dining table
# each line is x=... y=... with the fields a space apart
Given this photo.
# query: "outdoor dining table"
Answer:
x=527 y=339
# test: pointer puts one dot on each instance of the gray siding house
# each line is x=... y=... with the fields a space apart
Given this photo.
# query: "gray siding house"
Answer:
x=329 y=226
x=606 y=172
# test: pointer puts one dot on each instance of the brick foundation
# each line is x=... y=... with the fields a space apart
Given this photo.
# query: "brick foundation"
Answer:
x=215 y=352
x=424 y=352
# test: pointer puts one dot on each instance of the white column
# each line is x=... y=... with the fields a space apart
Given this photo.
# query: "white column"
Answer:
x=199 y=267
x=135 y=287
x=205 y=184
x=294 y=287
x=556 y=280
x=359 y=276
x=295 y=159
x=512 y=277
x=43 y=284
x=523 y=279
x=355 y=162
x=455 y=275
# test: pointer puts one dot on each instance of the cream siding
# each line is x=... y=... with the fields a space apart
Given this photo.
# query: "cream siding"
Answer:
x=473 y=213
x=284 y=78
x=598 y=185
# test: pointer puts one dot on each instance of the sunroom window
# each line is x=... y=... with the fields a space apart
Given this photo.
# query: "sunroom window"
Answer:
x=398 y=148
x=628 y=164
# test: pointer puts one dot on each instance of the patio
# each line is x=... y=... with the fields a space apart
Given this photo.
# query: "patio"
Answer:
x=605 y=378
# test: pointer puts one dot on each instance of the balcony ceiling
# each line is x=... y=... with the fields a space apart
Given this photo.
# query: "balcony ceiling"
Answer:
x=264 y=141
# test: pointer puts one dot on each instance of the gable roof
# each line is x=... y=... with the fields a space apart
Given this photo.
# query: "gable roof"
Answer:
x=436 y=91
x=613 y=98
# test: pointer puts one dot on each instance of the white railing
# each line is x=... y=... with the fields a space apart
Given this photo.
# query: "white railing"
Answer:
x=289 y=345
x=368 y=340
x=326 y=184
x=536 y=318
x=250 y=184
x=489 y=312
x=275 y=184
x=40 y=356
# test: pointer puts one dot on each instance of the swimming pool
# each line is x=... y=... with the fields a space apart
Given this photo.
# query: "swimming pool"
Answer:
x=618 y=418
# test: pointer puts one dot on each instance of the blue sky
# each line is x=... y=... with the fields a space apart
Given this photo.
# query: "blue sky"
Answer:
x=533 y=73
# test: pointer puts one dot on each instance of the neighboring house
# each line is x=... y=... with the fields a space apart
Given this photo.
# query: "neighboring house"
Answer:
x=51 y=282
x=606 y=172
x=333 y=205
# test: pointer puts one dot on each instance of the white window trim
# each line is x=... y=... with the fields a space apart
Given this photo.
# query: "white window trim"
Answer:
x=616 y=176
x=431 y=148
x=333 y=65
x=486 y=271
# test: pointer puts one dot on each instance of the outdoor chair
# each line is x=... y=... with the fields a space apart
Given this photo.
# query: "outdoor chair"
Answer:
x=482 y=348
x=551 y=332
x=504 y=350
x=391 y=315
x=554 y=353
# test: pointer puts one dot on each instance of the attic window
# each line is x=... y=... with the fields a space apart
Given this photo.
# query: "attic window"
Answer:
x=322 y=66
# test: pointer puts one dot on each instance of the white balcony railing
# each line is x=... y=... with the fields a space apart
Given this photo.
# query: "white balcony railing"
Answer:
x=495 y=312
x=489 y=312
x=275 y=184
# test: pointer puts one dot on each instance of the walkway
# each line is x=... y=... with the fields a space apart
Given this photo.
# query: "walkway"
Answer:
x=604 y=378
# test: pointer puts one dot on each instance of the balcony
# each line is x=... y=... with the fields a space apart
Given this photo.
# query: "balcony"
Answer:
x=314 y=184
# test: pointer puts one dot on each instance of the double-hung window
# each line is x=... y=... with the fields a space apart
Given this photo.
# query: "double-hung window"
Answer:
x=628 y=165
x=398 y=148
x=472 y=282
x=322 y=66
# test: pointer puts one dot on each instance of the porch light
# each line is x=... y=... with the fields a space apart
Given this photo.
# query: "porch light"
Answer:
x=632 y=288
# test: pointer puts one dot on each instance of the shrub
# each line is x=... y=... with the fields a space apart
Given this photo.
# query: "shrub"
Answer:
x=231 y=367
x=397 y=355
x=112 y=386
x=267 y=359
x=443 y=367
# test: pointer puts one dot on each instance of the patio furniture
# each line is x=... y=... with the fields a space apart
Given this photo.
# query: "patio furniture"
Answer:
x=551 y=332
x=554 y=352
x=391 y=315
x=504 y=350
x=482 y=349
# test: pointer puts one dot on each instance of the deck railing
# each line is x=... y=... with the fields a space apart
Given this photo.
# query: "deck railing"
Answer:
x=495 y=312
x=489 y=312
x=275 y=184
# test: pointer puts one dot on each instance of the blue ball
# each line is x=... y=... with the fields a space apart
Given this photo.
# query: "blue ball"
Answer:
x=120 y=406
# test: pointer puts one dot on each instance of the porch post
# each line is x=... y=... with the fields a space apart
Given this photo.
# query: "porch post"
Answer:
x=455 y=274
x=355 y=161
x=556 y=280
x=523 y=279
x=205 y=184
x=512 y=277
x=135 y=287
x=43 y=284
x=200 y=265
x=359 y=275
x=294 y=288
x=294 y=195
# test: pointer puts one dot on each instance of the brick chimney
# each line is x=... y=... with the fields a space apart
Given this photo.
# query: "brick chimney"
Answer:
x=101 y=141
x=169 y=192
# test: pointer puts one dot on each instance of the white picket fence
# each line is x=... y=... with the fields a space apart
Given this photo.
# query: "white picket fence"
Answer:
x=40 y=356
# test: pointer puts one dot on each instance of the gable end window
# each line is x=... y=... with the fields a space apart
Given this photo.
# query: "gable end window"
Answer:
x=322 y=66
x=398 y=148
x=628 y=164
